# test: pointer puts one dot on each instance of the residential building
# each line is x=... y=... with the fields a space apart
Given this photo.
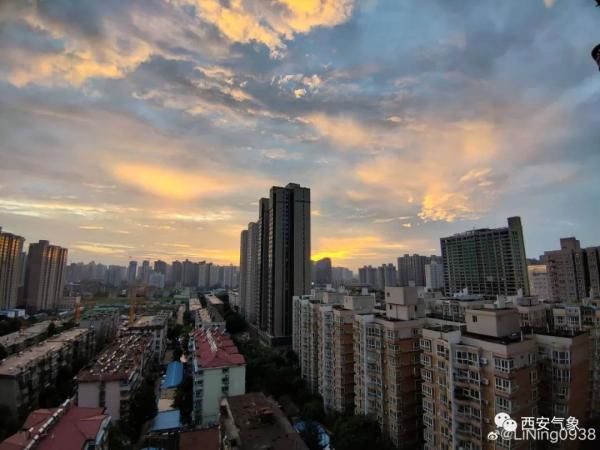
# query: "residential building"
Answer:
x=574 y=272
x=132 y=272
x=323 y=272
x=44 y=276
x=115 y=375
x=254 y=421
x=218 y=371
x=19 y=340
x=104 y=321
x=144 y=275
x=160 y=267
x=367 y=276
x=539 y=281
x=156 y=327
x=411 y=270
x=23 y=375
x=177 y=274
x=115 y=275
x=11 y=248
x=244 y=270
x=387 y=364
x=434 y=276
x=66 y=427
x=280 y=267
x=469 y=376
x=341 y=276
x=487 y=261
x=386 y=276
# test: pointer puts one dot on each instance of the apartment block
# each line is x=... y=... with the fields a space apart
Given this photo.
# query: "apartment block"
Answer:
x=11 y=247
x=23 y=375
x=156 y=327
x=115 y=375
x=218 y=369
x=387 y=366
x=486 y=261
x=574 y=272
x=470 y=374
x=44 y=276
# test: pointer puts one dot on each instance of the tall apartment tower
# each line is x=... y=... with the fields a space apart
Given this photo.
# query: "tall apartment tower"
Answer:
x=411 y=270
x=277 y=249
x=488 y=262
x=132 y=272
x=288 y=255
x=44 y=276
x=11 y=248
x=243 y=271
x=323 y=272
x=387 y=366
x=573 y=271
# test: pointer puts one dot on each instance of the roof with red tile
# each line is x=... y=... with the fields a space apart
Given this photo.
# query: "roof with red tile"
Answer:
x=215 y=348
x=72 y=430
x=207 y=439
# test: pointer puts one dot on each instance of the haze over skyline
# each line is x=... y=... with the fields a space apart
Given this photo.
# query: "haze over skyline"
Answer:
x=150 y=128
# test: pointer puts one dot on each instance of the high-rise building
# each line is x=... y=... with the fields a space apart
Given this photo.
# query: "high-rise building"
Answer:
x=323 y=275
x=11 y=248
x=486 y=261
x=177 y=273
x=279 y=248
x=387 y=366
x=411 y=270
x=160 y=267
x=114 y=275
x=45 y=276
x=243 y=272
x=132 y=272
x=145 y=272
x=434 y=275
x=341 y=276
x=573 y=271
x=367 y=275
x=539 y=281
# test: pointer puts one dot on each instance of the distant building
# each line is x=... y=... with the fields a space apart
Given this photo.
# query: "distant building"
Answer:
x=155 y=326
x=65 y=427
x=367 y=275
x=323 y=272
x=45 y=276
x=486 y=261
x=411 y=270
x=160 y=267
x=218 y=370
x=341 y=276
x=132 y=272
x=11 y=248
x=573 y=271
x=434 y=276
x=115 y=375
x=539 y=281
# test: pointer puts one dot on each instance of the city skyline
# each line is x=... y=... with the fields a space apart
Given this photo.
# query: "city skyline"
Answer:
x=149 y=129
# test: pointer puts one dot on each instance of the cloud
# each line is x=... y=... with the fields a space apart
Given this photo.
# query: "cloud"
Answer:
x=271 y=23
x=549 y=3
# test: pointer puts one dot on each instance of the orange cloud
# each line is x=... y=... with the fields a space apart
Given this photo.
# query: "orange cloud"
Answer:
x=346 y=249
x=272 y=23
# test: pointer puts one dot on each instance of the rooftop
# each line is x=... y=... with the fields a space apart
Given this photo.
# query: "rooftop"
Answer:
x=33 y=331
x=215 y=348
x=214 y=300
x=64 y=428
x=149 y=322
x=174 y=375
x=166 y=420
x=119 y=360
x=207 y=439
x=13 y=364
x=257 y=422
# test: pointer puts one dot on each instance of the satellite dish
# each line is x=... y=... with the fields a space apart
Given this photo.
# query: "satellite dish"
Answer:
x=596 y=55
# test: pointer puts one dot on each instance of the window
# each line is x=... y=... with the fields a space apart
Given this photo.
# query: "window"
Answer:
x=503 y=365
x=533 y=377
x=426 y=344
x=503 y=404
x=560 y=357
x=474 y=318
x=426 y=374
x=503 y=385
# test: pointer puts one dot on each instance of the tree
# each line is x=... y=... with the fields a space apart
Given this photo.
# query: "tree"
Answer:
x=143 y=408
x=3 y=352
x=8 y=422
x=358 y=433
x=177 y=353
x=174 y=331
x=51 y=330
x=234 y=322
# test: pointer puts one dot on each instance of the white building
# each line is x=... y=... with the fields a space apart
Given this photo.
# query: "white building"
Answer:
x=218 y=371
x=434 y=275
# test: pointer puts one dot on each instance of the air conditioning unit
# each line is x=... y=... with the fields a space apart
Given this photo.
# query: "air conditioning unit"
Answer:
x=485 y=381
x=483 y=361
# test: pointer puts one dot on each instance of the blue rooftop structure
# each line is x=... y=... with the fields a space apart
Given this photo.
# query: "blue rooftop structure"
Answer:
x=324 y=438
x=174 y=375
x=167 y=420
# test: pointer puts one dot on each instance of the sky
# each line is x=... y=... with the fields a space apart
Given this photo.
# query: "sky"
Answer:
x=150 y=128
